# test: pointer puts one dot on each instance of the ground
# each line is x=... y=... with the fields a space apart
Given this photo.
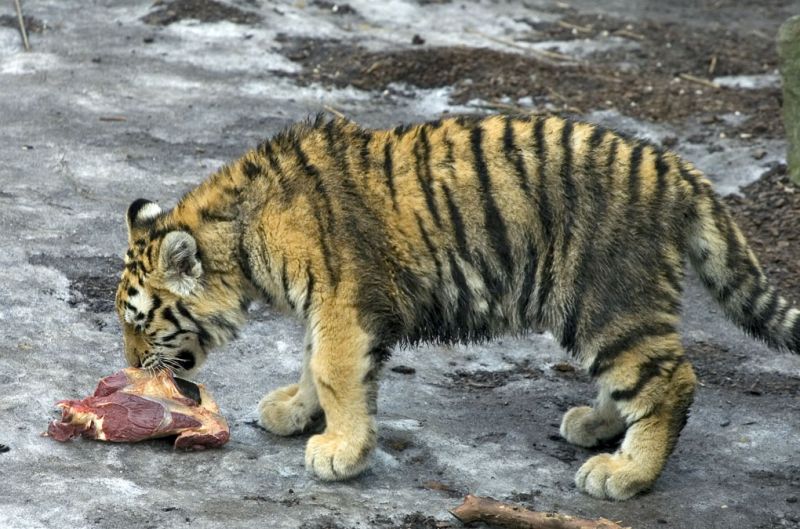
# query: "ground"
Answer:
x=122 y=99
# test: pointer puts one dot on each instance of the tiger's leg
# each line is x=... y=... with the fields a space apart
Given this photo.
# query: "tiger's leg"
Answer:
x=344 y=372
x=293 y=408
x=589 y=426
x=652 y=386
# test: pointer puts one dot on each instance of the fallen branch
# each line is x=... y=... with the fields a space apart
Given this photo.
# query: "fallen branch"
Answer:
x=488 y=510
x=22 y=29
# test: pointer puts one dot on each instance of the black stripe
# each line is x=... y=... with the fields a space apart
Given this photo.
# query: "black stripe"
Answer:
x=388 y=171
x=458 y=224
x=570 y=195
x=366 y=159
x=155 y=303
x=168 y=315
x=689 y=177
x=429 y=245
x=759 y=320
x=633 y=337
x=635 y=173
x=545 y=219
x=201 y=331
x=424 y=174
x=512 y=154
x=464 y=303
x=795 y=336
x=309 y=290
x=172 y=336
x=319 y=185
x=327 y=255
x=647 y=372
x=494 y=223
x=528 y=283
x=595 y=139
x=250 y=169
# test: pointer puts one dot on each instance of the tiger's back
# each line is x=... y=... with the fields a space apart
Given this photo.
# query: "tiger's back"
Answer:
x=464 y=229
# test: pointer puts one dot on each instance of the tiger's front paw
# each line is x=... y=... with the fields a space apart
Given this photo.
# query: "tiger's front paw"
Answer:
x=285 y=411
x=584 y=426
x=333 y=457
x=613 y=477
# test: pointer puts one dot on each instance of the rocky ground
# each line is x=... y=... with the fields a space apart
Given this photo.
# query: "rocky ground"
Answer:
x=121 y=99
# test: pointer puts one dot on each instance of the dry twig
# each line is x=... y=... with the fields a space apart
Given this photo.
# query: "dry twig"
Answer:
x=576 y=27
x=699 y=80
x=477 y=509
x=334 y=111
x=630 y=34
x=22 y=29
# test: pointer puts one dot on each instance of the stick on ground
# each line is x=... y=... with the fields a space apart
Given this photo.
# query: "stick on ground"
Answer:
x=22 y=29
x=488 y=510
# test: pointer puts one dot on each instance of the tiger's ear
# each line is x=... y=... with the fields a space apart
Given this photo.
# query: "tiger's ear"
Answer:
x=178 y=262
x=141 y=215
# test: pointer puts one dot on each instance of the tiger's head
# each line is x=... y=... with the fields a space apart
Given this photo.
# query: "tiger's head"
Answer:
x=171 y=310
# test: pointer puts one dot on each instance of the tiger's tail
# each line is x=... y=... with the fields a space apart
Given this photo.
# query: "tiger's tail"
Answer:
x=728 y=268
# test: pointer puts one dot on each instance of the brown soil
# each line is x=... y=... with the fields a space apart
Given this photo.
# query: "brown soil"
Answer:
x=717 y=366
x=165 y=13
x=482 y=379
x=769 y=216
x=640 y=82
x=32 y=24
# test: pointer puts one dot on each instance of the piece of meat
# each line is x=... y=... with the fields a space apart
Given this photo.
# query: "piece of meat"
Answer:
x=136 y=404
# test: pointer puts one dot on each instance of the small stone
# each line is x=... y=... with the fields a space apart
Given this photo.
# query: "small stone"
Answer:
x=4 y=449
x=791 y=499
x=669 y=141
x=759 y=154
x=148 y=40
x=417 y=40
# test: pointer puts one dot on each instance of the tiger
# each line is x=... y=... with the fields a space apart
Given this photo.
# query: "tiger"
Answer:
x=458 y=230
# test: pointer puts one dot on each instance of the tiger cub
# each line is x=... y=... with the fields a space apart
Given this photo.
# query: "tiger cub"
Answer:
x=457 y=230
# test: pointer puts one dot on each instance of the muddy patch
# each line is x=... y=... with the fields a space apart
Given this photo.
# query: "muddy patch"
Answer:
x=482 y=379
x=645 y=79
x=769 y=215
x=92 y=280
x=32 y=24
x=169 y=12
x=716 y=365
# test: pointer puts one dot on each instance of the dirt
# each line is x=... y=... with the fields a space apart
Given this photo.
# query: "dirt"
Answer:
x=32 y=24
x=415 y=520
x=642 y=81
x=92 y=280
x=165 y=13
x=482 y=379
x=717 y=366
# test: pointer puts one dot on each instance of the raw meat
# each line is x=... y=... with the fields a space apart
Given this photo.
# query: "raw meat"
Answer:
x=136 y=404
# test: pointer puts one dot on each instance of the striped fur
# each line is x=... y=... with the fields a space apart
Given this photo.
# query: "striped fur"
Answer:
x=458 y=230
